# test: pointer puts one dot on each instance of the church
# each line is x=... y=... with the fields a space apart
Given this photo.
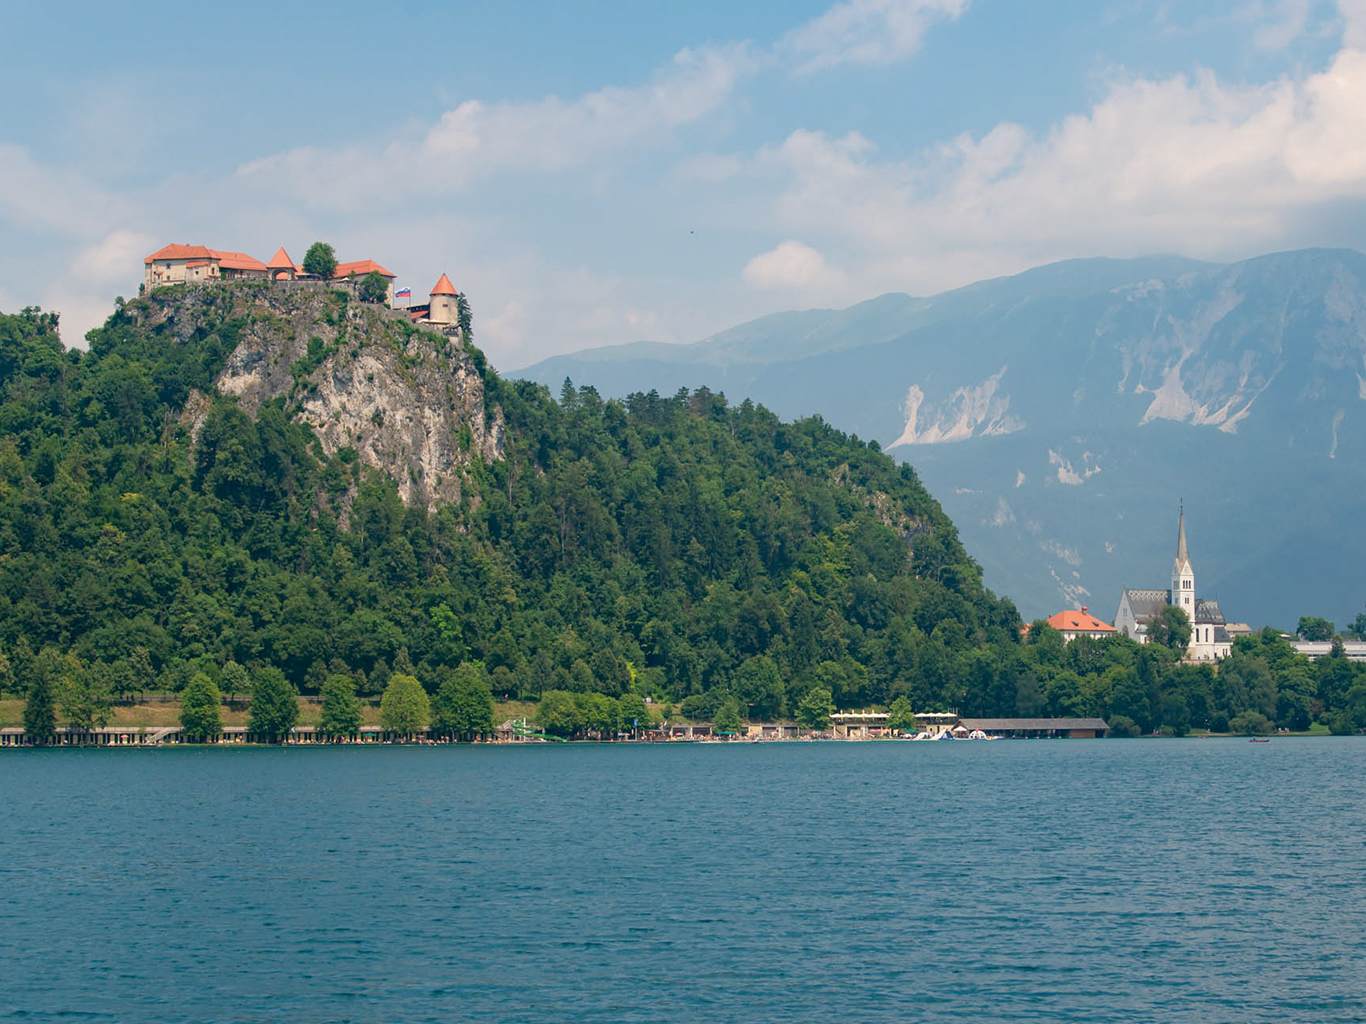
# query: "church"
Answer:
x=1210 y=637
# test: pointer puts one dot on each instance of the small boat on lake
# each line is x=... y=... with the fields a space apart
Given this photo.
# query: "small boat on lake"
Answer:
x=1260 y=739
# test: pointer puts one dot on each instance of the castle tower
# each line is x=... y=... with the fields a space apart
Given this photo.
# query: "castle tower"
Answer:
x=443 y=309
x=1183 y=576
x=281 y=267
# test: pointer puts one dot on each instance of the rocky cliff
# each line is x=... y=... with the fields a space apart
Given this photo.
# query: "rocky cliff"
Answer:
x=409 y=401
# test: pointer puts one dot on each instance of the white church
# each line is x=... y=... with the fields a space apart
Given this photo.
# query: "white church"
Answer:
x=1210 y=638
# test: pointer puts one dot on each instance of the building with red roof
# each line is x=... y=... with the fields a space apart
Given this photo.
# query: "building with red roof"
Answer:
x=191 y=264
x=1072 y=624
x=281 y=267
x=194 y=264
x=444 y=307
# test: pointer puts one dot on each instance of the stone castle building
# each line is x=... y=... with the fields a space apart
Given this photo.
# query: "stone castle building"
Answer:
x=196 y=264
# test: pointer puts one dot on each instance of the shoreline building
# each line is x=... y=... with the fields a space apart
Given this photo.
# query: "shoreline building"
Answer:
x=1140 y=608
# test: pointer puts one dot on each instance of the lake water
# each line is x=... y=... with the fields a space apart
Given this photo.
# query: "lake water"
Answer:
x=1014 y=881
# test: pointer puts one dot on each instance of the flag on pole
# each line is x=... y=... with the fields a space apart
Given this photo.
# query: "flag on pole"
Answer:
x=403 y=293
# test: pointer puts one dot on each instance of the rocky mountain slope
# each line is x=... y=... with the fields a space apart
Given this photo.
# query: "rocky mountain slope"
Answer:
x=409 y=402
x=1063 y=413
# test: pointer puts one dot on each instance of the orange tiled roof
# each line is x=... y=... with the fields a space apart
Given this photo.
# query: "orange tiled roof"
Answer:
x=359 y=269
x=281 y=261
x=180 y=252
x=237 y=260
x=197 y=263
x=444 y=287
x=1080 y=621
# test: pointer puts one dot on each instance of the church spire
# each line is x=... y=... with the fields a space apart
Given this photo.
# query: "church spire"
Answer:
x=1183 y=576
x=1183 y=557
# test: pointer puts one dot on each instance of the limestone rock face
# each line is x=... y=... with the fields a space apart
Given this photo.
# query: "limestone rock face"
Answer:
x=408 y=401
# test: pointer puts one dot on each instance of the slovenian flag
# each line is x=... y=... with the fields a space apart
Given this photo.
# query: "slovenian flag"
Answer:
x=403 y=293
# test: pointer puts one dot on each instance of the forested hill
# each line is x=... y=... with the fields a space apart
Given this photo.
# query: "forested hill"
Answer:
x=153 y=525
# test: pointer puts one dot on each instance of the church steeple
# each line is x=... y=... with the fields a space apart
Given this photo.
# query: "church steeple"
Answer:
x=1183 y=558
x=1183 y=575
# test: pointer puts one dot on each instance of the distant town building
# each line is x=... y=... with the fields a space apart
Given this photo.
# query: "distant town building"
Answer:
x=1072 y=624
x=1139 y=609
x=1353 y=650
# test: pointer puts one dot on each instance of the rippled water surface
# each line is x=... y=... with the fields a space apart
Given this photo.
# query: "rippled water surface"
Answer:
x=1013 y=881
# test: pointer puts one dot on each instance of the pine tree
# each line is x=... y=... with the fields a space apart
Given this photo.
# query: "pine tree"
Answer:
x=40 y=710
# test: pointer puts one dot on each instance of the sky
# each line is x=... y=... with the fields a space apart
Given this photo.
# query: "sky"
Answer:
x=601 y=171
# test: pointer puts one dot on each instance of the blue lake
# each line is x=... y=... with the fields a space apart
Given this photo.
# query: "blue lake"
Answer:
x=1014 y=881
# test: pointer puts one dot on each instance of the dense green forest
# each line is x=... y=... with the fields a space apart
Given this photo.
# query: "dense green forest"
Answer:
x=677 y=547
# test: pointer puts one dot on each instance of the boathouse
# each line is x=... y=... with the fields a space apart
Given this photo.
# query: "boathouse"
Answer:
x=1040 y=728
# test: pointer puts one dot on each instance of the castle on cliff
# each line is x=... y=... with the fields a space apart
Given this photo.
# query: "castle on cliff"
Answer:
x=195 y=264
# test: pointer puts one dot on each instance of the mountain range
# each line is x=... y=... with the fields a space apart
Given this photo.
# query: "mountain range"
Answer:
x=1062 y=415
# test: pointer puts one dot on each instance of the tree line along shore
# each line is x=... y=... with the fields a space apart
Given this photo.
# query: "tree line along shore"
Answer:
x=667 y=550
x=463 y=707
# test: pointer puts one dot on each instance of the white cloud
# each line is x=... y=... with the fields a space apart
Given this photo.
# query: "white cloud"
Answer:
x=47 y=198
x=110 y=259
x=477 y=140
x=867 y=31
x=1288 y=19
x=791 y=265
x=1188 y=165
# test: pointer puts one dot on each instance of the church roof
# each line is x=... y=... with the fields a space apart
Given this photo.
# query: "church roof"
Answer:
x=1146 y=605
x=1079 y=622
x=444 y=287
x=1208 y=613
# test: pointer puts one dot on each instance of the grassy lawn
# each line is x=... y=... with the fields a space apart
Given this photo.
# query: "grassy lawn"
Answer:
x=157 y=715
x=505 y=709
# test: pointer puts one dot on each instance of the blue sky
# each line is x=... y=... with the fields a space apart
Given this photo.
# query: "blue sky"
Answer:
x=595 y=173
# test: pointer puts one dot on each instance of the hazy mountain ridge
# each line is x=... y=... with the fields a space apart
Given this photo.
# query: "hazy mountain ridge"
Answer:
x=1034 y=407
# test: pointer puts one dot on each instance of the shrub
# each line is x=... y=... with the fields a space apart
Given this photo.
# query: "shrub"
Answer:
x=1250 y=723
x=1122 y=726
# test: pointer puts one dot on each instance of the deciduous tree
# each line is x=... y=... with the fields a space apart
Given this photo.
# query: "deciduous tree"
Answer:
x=815 y=708
x=341 y=713
x=201 y=709
x=463 y=706
x=405 y=708
x=901 y=717
x=1314 y=627
x=320 y=260
x=374 y=287
x=274 y=705
x=728 y=720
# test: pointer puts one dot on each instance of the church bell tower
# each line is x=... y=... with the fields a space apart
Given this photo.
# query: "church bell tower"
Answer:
x=1183 y=576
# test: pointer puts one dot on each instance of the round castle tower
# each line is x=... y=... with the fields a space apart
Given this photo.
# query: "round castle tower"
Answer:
x=443 y=309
